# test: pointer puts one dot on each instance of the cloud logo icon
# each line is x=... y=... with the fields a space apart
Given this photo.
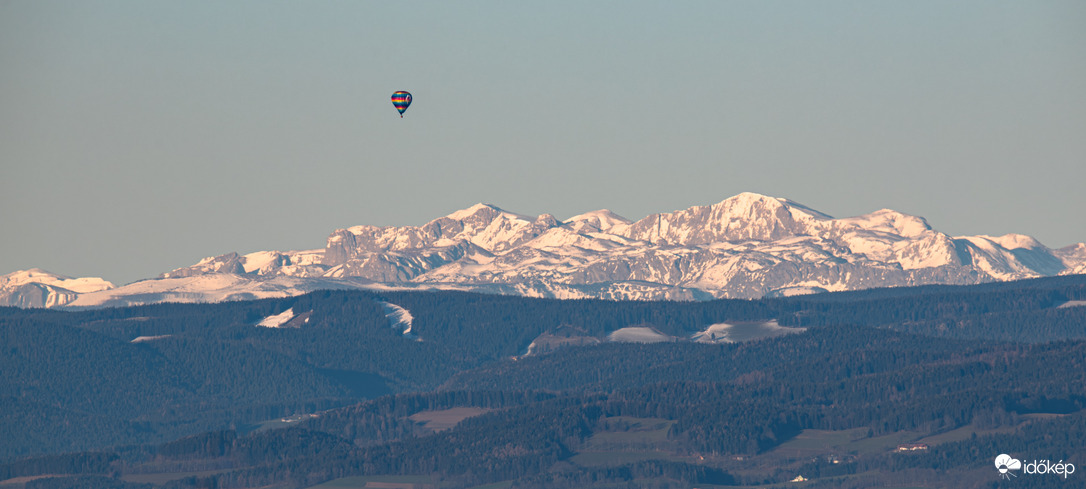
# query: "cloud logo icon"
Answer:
x=1005 y=463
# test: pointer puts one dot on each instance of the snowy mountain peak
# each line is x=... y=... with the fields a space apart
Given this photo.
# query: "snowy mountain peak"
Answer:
x=750 y=206
x=39 y=276
x=749 y=245
x=602 y=220
x=749 y=200
x=38 y=288
x=462 y=214
x=1016 y=241
x=486 y=212
x=890 y=221
x=33 y=275
x=228 y=263
x=1076 y=250
x=744 y=217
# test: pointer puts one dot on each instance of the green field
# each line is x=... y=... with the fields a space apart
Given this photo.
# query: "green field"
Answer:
x=964 y=433
x=853 y=441
x=384 y=481
x=445 y=418
x=164 y=477
x=611 y=458
x=821 y=440
x=624 y=440
x=496 y=485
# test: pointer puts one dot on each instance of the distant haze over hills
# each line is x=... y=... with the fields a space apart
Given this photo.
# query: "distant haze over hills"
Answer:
x=746 y=246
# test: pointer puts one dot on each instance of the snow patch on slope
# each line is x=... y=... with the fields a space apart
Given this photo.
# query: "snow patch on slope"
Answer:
x=277 y=320
x=742 y=331
x=142 y=339
x=798 y=290
x=398 y=318
x=638 y=334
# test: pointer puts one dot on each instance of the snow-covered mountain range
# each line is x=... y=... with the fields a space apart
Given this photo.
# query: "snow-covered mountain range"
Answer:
x=746 y=246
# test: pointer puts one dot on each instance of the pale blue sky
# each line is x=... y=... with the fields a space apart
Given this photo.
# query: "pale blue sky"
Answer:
x=141 y=136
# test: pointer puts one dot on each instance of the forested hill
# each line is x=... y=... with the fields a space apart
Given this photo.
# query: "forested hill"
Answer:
x=541 y=383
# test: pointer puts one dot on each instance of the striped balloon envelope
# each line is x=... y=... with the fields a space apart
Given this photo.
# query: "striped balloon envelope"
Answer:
x=401 y=100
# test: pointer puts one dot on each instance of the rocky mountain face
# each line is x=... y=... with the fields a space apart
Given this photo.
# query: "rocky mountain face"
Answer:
x=747 y=246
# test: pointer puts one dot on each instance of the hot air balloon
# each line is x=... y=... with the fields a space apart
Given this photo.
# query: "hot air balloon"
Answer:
x=401 y=100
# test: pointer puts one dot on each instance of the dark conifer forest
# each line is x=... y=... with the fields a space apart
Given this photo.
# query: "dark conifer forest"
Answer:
x=499 y=391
